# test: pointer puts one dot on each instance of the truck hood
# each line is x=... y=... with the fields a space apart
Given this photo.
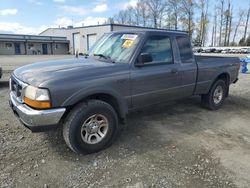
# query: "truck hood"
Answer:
x=37 y=74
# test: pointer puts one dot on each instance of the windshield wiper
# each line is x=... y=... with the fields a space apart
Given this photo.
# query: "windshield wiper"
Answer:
x=101 y=55
x=105 y=57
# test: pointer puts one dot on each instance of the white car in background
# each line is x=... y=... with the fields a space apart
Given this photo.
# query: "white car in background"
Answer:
x=244 y=50
x=225 y=51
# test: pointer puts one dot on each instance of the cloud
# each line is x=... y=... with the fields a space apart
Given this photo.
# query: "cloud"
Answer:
x=84 y=10
x=100 y=8
x=36 y=2
x=66 y=21
x=123 y=6
x=90 y=21
x=76 y=10
x=17 y=28
x=130 y=3
x=59 y=1
x=6 y=12
x=63 y=22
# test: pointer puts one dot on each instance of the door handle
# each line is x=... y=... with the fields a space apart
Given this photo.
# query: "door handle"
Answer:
x=174 y=71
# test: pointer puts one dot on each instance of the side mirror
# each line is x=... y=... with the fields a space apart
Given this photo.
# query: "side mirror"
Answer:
x=144 y=58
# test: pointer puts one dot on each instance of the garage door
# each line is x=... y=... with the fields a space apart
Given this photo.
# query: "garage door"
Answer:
x=76 y=42
x=91 y=40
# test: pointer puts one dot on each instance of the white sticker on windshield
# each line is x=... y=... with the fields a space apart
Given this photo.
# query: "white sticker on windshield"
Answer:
x=129 y=37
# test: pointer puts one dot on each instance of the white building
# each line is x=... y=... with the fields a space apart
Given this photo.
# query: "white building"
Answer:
x=13 y=44
x=82 y=38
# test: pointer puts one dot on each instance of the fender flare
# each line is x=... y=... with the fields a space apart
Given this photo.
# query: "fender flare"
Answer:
x=86 y=92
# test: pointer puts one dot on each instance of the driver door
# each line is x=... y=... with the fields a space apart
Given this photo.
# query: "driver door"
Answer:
x=159 y=80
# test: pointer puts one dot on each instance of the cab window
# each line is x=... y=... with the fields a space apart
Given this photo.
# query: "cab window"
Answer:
x=159 y=47
x=185 y=49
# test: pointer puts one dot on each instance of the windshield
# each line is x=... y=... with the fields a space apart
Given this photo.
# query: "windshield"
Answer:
x=116 y=47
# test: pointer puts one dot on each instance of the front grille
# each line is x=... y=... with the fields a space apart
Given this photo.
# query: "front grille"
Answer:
x=16 y=88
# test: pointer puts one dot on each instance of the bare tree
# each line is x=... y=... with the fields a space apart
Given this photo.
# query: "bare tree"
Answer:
x=174 y=12
x=204 y=20
x=227 y=15
x=156 y=11
x=246 y=25
x=221 y=19
x=187 y=9
x=215 y=29
x=121 y=17
x=212 y=41
x=137 y=15
x=241 y=14
x=142 y=11
x=230 y=26
x=214 y=32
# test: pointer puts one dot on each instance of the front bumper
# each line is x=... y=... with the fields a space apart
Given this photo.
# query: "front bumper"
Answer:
x=36 y=120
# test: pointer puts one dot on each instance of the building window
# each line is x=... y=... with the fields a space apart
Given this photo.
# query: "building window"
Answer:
x=30 y=46
x=8 y=45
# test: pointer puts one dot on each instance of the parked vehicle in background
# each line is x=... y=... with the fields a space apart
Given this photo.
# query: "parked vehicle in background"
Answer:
x=225 y=51
x=217 y=50
x=208 y=50
x=90 y=97
x=244 y=50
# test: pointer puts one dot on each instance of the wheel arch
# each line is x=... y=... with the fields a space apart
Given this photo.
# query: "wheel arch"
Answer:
x=224 y=76
x=111 y=97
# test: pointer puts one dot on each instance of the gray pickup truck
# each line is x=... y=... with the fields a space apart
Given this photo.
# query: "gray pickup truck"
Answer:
x=126 y=70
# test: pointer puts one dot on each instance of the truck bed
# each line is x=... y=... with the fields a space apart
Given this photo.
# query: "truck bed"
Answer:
x=209 y=67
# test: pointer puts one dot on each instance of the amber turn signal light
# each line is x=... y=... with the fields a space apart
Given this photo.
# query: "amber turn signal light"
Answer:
x=37 y=104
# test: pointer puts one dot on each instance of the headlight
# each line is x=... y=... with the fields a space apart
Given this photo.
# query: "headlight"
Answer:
x=36 y=97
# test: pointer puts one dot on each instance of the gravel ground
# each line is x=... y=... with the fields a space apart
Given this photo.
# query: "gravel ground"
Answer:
x=173 y=145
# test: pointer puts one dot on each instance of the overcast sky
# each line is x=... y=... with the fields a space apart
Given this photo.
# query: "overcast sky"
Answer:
x=34 y=16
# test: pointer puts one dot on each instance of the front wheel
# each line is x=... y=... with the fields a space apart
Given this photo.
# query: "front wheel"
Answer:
x=216 y=96
x=90 y=126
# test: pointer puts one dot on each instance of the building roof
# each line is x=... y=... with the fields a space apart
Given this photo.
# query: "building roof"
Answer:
x=111 y=25
x=32 y=38
x=152 y=31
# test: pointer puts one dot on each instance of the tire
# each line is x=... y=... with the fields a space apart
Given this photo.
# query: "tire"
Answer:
x=213 y=100
x=90 y=127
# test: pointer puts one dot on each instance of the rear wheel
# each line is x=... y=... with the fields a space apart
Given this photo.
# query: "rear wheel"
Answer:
x=90 y=127
x=216 y=96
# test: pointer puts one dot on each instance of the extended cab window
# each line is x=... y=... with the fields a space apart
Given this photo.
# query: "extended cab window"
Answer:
x=185 y=49
x=159 y=47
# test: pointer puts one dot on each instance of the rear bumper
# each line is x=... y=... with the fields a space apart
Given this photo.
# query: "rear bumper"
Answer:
x=36 y=120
